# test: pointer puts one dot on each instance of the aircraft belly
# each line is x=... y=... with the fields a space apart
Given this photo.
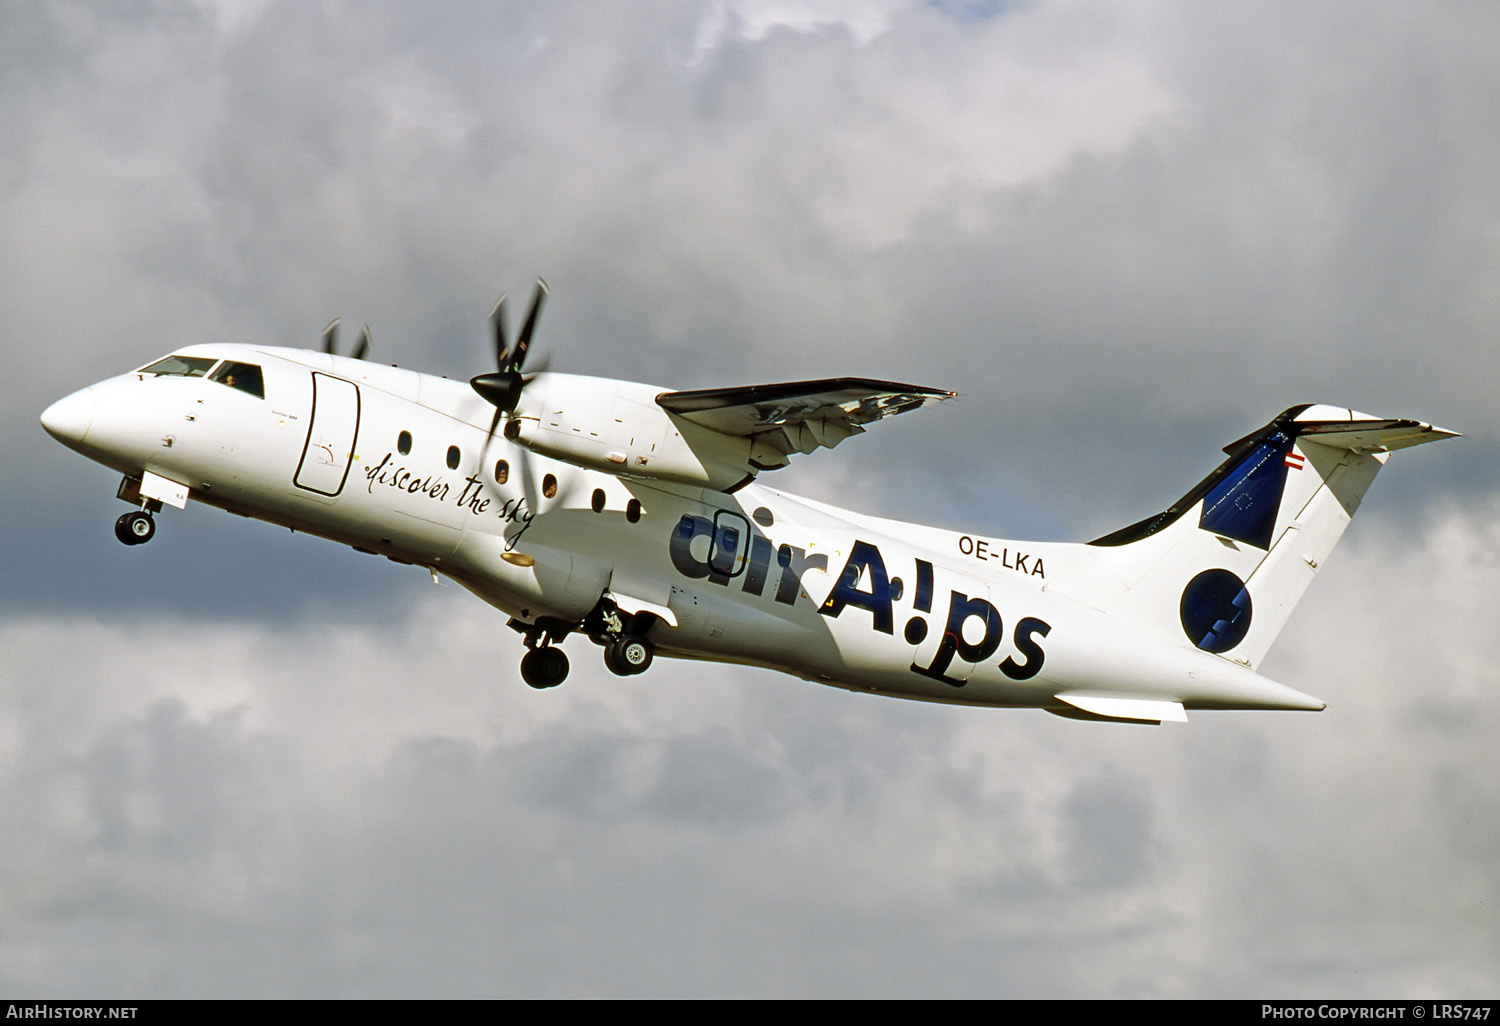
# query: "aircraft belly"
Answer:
x=541 y=581
x=718 y=625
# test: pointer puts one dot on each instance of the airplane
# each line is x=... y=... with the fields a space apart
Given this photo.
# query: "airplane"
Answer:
x=634 y=515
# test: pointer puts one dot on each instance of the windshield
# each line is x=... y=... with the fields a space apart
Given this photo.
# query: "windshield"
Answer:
x=182 y=366
x=244 y=376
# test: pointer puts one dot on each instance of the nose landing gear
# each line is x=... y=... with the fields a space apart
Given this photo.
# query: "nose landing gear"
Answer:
x=138 y=526
x=135 y=528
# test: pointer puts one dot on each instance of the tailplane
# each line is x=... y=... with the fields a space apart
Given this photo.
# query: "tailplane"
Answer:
x=1228 y=561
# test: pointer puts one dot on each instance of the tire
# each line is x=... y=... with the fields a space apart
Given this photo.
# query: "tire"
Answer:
x=631 y=654
x=612 y=660
x=544 y=667
x=135 y=528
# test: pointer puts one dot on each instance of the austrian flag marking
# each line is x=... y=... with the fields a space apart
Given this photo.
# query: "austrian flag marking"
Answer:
x=1295 y=460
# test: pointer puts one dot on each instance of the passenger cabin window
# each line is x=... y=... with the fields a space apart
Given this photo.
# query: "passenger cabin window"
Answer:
x=724 y=557
x=244 y=376
x=453 y=457
x=403 y=443
x=181 y=366
x=502 y=472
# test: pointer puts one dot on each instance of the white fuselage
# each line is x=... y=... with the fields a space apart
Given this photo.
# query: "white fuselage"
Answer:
x=398 y=463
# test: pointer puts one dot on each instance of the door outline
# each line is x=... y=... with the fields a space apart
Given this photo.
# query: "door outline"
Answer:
x=331 y=432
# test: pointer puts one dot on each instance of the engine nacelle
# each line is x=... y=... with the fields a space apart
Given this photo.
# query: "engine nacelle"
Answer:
x=617 y=427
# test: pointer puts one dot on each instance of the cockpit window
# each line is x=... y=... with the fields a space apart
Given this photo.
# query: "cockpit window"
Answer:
x=244 y=376
x=181 y=366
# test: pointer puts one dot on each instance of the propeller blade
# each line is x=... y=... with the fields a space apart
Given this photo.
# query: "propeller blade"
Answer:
x=523 y=343
x=502 y=387
x=540 y=365
x=528 y=480
x=484 y=450
x=331 y=337
x=363 y=346
x=497 y=331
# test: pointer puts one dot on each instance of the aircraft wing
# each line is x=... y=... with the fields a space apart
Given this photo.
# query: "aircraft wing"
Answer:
x=798 y=416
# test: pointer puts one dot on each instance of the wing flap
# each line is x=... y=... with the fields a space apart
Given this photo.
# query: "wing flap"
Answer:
x=799 y=416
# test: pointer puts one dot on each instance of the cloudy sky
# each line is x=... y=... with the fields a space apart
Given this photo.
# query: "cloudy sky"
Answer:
x=240 y=763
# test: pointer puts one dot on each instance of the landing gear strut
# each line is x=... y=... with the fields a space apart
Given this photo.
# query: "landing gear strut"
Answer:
x=543 y=666
x=135 y=528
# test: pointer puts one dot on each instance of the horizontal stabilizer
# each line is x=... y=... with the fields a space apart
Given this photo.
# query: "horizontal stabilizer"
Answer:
x=1371 y=436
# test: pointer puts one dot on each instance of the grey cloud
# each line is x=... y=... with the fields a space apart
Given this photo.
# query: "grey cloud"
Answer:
x=244 y=764
x=1110 y=836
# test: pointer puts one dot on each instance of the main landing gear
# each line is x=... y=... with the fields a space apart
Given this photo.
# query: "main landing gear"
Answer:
x=622 y=636
x=543 y=666
x=136 y=527
x=627 y=655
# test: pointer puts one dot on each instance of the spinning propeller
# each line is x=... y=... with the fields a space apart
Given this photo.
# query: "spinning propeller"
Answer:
x=502 y=387
x=331 y=337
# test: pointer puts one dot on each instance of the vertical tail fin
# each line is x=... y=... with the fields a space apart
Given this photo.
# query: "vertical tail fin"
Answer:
x=1228 y=561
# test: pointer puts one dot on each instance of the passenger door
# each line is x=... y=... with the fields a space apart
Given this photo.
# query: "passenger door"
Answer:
x=329 y=448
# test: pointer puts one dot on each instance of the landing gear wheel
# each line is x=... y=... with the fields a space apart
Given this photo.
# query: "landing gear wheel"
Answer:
x=628 y=655
x=544 y=667
x=135 y=528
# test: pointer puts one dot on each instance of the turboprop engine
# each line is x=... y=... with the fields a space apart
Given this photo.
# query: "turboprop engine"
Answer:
x=717 y=438
x=617 y=426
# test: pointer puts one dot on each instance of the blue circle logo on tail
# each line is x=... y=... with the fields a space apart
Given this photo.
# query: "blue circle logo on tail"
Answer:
x=1215 y=610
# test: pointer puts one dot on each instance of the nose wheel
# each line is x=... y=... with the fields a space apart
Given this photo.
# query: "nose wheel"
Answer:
x=135 y=528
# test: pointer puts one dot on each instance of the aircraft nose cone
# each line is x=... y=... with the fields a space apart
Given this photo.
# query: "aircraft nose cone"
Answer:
x=69 y=419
